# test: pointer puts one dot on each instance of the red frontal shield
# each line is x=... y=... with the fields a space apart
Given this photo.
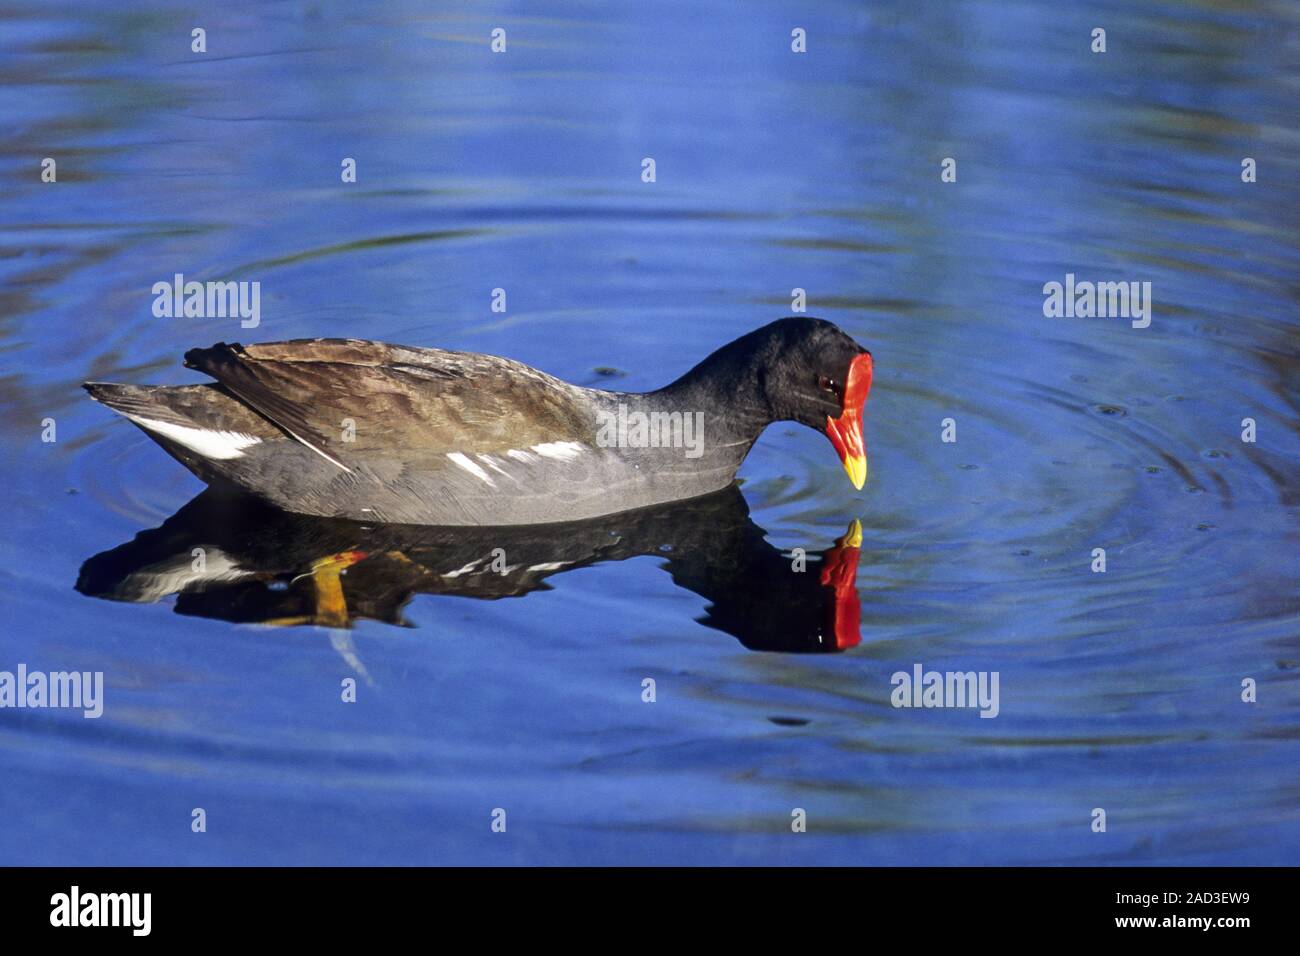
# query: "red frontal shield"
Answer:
x=845 y=432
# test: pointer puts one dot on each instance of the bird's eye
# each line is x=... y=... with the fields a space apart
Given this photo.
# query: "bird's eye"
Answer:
x=828 y=384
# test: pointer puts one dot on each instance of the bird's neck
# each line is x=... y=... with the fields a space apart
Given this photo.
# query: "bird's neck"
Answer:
x=727 y=388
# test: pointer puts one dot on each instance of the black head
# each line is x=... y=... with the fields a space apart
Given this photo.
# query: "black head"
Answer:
x=807 y=371
x=795 y=369
x=812 y=373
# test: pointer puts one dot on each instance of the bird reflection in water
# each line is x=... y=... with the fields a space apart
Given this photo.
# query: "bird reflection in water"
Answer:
x=236 y=559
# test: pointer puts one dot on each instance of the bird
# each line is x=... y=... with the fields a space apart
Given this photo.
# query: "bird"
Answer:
x=374 y=432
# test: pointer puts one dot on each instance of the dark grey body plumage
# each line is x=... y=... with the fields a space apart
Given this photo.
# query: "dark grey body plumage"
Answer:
x=346 y=428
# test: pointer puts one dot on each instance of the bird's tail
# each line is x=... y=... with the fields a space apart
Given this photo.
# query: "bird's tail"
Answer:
x=202 y=426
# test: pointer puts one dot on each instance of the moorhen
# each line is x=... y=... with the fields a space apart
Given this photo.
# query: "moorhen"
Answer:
x=347 y=428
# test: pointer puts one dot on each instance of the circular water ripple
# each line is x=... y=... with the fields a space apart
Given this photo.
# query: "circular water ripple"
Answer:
x=126 y=474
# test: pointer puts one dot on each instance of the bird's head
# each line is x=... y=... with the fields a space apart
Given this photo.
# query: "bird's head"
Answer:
x=820 y=377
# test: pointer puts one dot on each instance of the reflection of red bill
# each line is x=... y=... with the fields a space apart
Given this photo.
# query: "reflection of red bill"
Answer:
x=845 y=432
x=840 y=571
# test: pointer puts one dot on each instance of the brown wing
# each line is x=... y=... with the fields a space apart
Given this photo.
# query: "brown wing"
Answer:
x=354 y=401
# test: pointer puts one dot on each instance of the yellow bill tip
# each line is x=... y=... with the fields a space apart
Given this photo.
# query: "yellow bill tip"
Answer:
x=855 y=466
x=853 y=537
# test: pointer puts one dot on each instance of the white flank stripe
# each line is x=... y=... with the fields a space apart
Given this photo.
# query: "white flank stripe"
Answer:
x=202 y=441
x=523 y=456
x=306 y=444
x=469 y=466
x=491 y=463
x=560 y=450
